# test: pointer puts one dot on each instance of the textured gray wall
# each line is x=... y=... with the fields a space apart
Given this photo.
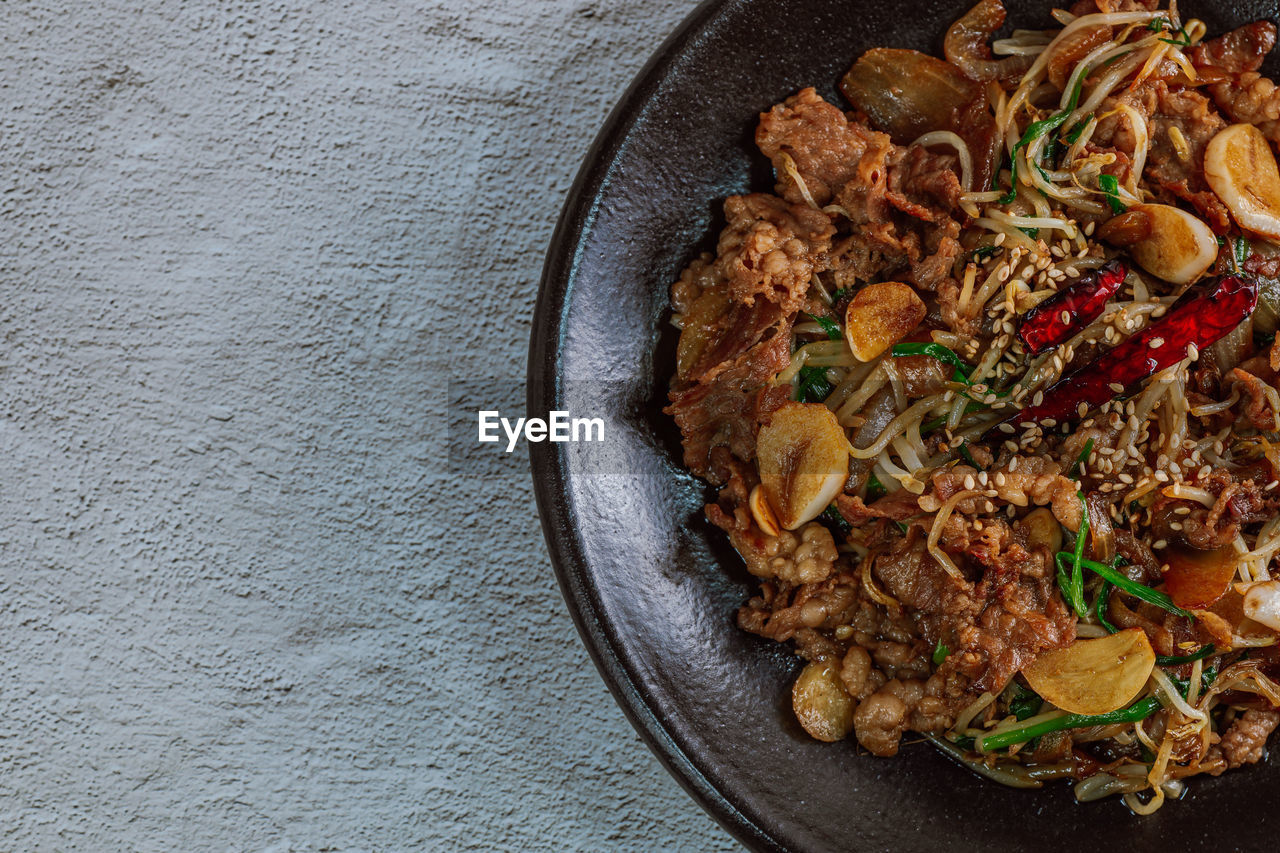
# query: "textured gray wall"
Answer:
x=246 y=603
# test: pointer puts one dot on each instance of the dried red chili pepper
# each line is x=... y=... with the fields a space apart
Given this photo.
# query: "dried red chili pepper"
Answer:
x=1201 y=320
x=1043 y=327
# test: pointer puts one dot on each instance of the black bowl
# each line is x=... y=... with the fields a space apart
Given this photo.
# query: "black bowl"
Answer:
x=652 y=587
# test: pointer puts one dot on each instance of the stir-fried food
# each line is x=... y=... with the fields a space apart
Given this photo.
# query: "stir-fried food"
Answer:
x=990 y=391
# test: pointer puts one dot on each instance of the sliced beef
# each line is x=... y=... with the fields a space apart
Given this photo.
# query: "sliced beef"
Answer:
x=1246 y=741
x=1231 y=62
x=828 y=151
x=1173 y=170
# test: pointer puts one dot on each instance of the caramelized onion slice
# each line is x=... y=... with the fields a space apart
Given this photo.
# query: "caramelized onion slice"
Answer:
x=803 y=457
x=907 y=94
x=966 y=45
x=1094 y=676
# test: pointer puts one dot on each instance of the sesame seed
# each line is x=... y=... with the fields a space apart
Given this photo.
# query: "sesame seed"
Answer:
x=1000 y=237
x=1156 y=343
x=1000 y=478
x=968 y=482
x=1088 y=229
x=1162 y=476
x=1116 y=386
x=1007 y=429
x=1125 y=478
x=1011 y=447
x=1193 y=352
x=1013 y=464
x=1160 y=544
x=1066 y=318
x=1269 y=486
x=1182 y=510
x=1175 y=525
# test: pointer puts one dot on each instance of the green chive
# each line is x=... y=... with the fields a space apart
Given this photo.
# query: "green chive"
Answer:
x=1034 y=131
x=1122 y=583
x=831 y=327
x=940 y=653
x=968 y=456
x=1074 y=473
x=983 y=252
x=1111 y=186
x=1100 y=607
x=1139 y=710
x=1171 y=660
x=813 y=387
x=840 y=294
x=939 y=352
x=1241 y=253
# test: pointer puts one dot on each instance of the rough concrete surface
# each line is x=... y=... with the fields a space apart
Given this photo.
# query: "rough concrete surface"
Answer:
x=246 y=603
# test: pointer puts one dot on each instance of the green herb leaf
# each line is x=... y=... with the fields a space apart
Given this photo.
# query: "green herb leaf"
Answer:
x=1100 y=607
x=1139 y=710
x=940 y=653
x=1111 y=186
x=902 y=527
x=939 y=352
x=1074 y=473
x=813 y=387
x=1033 y=233
x=875 y=489
x=1241 y=252
x=1025 y=702
x=1033 y=132
x=832 y=518
x=1073 y=135
x=840 y=294
x=831 y=327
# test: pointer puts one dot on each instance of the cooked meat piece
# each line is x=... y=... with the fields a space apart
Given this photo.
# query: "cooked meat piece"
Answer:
x=719 y=412
x=860 y=678
x=923 y=184
x=993 y=627
x=880 y=721
x=828 y=151
x=1231 y=62
x=1022 y=481
x=772 y=249
x=804 y=556
x=1246 y=741
x=1256 y=398
x=781 y=609
x=1237 y=52
x=1174 y=168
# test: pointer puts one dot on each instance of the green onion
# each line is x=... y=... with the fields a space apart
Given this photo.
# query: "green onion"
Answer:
x=940 y=653
x=1033 y=233
x=1170 y=660
x=1081 y=459
x=831 y=327
x=1073 y=587
x=1122 y=583
x=1034 y=131
x=968 y=456
x=983 y=252
x=1241 y=253
x=814 y=387
x=840 y=294
x=939 y=352
x=1025 y=702
x=1073 y=135
x=1100 y=607
x=902 y=528
x=832 y=517
x=1111 y=186
x=875 y=488
x=1139 y=710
